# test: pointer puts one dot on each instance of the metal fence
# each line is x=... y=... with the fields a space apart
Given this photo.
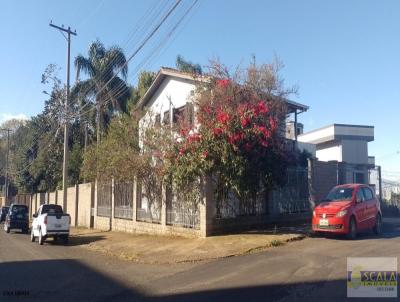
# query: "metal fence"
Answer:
x=294 y=196
x=123 y=200
x=185 y=218
x=104 y=196
x=146 y=215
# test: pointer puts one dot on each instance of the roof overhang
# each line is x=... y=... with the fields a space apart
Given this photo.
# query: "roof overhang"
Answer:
x=338 y=132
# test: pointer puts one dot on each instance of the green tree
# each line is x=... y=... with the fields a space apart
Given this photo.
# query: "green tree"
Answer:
x=145 y=80
x=187 y=66
x=110 y=91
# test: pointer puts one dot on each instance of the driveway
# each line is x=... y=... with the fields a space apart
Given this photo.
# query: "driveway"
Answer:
x=313 y=269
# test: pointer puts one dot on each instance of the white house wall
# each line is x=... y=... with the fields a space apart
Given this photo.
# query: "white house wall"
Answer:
x=172 y=90
x=329 y=152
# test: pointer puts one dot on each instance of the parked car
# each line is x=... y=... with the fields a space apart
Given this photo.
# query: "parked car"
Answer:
x=17 y=218
x=50 y=221
x=348 y=209
x=3 y=213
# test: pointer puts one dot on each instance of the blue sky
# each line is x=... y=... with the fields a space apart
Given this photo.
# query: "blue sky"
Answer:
x=343 y=55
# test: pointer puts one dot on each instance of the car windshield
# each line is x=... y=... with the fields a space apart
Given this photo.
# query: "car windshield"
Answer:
x=340 y=194
x=19 y=209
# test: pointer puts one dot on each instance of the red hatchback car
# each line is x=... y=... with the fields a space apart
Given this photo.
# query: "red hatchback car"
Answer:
x=348 y=209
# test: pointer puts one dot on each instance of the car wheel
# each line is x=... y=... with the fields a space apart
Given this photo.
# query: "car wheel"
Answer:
x=33 y=238
x=378 y=224
x=352 y=234
x=41 y=238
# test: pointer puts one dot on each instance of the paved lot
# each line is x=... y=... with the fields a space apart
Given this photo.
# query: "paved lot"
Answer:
x=309 y=270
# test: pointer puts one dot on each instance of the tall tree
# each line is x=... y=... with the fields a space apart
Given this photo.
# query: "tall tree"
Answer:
x=110 y=91
x=145 y=80
x=187 y=66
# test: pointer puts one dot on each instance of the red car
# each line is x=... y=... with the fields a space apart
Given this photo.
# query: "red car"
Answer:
x=348 y=209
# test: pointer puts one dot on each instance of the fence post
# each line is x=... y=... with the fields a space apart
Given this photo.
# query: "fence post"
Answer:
x=112 y=203
x=310 y=168
x=163 y=206
x=134 y=202
x=95 y=205
x=207 y=208
x=76 y=204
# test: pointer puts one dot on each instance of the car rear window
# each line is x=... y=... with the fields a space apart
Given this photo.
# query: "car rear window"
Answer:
x=19 y=209
x=52 y=209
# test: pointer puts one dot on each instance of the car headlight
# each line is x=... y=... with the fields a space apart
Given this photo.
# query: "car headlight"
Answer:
x=341 y=213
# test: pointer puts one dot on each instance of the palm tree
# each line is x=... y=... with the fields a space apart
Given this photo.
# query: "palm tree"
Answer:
x=110 y=92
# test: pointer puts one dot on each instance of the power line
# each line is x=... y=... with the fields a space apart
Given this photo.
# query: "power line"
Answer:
x=148 y=37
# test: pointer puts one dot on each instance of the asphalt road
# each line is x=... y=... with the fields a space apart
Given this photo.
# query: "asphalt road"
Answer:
x=313 y=269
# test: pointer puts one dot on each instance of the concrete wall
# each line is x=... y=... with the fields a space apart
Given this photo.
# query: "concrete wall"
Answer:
x=355 y=151
x=60 y=197
x=53 y=197
x=85 y=198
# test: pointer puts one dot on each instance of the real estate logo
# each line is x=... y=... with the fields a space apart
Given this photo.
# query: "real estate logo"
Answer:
x=372 y=277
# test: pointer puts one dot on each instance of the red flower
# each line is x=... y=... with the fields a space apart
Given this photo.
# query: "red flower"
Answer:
x=223 y=117
x=273 y=123
x=224 y=83
x=182 y=151
x=262 y=108
x=194 y=138
x=205 y=154
x=217 y=131
x=244 y=121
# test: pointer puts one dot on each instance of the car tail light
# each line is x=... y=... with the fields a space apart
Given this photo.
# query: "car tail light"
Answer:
x=45 y=220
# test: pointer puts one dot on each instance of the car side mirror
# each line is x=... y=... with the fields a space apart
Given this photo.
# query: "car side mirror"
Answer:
x=34 y=215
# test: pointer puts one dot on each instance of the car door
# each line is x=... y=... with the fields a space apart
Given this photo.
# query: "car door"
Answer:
x=371 y=207
x=360 y=209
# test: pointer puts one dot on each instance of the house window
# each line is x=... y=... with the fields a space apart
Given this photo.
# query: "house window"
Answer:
x=158 y=120
x=166 y=119
x=184 y=114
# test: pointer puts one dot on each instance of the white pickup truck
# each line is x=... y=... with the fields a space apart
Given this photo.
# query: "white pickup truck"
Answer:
x=50 y=221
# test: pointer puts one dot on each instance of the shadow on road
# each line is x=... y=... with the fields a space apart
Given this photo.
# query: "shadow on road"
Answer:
x=327 y=291
x=59 y=280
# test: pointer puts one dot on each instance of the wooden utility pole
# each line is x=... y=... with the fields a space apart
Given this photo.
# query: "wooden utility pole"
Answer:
x=7 y=165
x=66 y=119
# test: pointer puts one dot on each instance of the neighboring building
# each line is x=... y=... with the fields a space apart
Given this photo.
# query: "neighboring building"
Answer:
x=389 y=188
x=348 y=146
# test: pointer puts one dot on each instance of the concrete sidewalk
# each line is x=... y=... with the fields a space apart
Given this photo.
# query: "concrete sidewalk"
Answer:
x=153 y=249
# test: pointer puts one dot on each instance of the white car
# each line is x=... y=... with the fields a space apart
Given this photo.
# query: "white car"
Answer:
x=50 y=221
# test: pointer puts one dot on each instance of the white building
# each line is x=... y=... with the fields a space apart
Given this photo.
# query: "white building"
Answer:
x=345 y=144
x=171 y=96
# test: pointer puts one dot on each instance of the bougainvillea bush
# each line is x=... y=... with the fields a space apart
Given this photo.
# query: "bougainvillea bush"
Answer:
x=237 y=137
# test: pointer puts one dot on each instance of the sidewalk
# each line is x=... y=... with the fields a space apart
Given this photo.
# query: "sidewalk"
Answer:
x=153 y=249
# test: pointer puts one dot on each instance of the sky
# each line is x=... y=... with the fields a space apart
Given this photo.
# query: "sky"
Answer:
x=343 y=55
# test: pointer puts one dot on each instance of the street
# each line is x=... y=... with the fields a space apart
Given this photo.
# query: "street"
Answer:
x=307 y=270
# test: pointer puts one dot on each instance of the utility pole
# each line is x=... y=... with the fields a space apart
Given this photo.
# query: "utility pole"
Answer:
x=65 y=161
x=7 y=165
